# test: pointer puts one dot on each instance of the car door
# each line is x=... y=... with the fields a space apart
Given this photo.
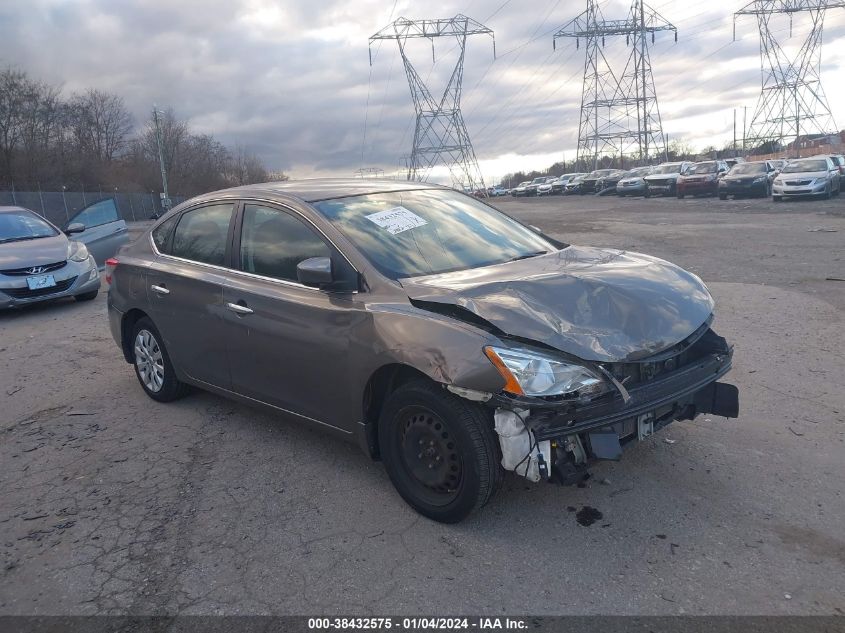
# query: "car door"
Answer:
x=105 y=231
x=185 y=290
x=288 y=343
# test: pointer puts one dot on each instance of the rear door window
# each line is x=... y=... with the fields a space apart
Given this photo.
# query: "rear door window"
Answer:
x=202 y=234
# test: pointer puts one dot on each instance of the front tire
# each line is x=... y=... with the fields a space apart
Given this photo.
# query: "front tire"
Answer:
x=152 y=364
x=439 y=450
x=723 y=196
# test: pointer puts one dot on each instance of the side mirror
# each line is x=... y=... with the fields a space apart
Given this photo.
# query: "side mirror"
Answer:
x=315 y=271
x=76 y=227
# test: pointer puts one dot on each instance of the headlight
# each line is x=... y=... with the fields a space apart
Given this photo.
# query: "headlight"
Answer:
x=778 y=181
x=76 y=251
x=759 y=179
x=532 y=373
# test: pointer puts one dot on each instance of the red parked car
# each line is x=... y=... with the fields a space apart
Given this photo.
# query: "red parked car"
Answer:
x=701 y=178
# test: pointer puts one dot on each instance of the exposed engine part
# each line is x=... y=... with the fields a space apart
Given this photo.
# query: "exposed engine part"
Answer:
x=521 y=452
x=470 y=394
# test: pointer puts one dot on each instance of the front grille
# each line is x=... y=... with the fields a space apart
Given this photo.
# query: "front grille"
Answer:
x=34 y=270
x=798 y=183
x=660 y=182
x=26 y=293
x=700 y=343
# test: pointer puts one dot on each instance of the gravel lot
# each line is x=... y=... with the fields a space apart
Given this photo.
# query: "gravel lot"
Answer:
x=112 y=503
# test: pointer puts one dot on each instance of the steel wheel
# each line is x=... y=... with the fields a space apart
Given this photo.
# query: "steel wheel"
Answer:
x=430 y=453
x=149 y=360
x=440 y=451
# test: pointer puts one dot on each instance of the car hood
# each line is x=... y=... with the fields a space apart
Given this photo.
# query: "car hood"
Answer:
x=596 y=304
x=751 y=176
x=44 y=250
x=803 y=175
x=673 y=174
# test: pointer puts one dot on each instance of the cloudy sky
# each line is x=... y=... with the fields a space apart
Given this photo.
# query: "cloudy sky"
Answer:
x=291 y=79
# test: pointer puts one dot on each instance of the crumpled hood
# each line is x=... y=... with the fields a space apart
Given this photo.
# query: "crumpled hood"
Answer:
x=45 y=250
x=597 y=304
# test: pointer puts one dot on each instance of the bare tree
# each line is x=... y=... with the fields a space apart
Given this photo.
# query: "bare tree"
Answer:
x=88 y=138
x=100 y=124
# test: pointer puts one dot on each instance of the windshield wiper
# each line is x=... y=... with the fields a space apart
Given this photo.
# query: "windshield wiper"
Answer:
x=527 y=255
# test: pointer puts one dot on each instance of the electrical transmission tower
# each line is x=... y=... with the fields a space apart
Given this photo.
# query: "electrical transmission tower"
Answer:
x=619 y=111
x=792 y=100
x=440 y=134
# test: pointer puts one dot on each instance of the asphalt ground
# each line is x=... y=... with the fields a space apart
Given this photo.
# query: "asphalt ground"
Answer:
x=111 y=503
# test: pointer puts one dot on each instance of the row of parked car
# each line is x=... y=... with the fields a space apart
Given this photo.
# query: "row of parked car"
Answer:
x=822 y=176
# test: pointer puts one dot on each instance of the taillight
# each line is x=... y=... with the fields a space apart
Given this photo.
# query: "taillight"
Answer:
x=111 y=264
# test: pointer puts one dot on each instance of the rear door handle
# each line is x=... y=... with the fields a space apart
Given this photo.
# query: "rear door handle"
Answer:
x=160 y=290
x=237 y=308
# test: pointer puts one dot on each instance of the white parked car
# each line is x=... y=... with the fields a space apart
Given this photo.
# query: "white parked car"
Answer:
x=807 y=177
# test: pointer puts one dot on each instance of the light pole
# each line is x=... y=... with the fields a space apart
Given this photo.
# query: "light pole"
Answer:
x=166 y=201
x=64 y=199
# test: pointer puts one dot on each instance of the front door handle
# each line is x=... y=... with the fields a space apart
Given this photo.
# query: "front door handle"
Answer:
x=237 y=308
x=160 y=289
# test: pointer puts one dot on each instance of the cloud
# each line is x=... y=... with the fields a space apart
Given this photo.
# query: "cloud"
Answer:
x=291 y=80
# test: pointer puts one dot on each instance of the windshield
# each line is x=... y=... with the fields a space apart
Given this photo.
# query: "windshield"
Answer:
x=432 y=231
x=668 y=169
x=539 y=180
x=21 y=225
x=802 y=166
x=703 y=168
x=748 y=168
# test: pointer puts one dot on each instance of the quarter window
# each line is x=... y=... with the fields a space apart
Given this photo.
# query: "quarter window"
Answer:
x=274 y=242
x=162 y=233
x=201 y=234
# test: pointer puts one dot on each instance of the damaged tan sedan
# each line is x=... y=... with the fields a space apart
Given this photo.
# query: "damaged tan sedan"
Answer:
x=449 y=340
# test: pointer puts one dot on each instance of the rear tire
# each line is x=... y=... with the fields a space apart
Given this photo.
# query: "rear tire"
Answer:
x=439 y=450
x=87 y=296
x=152 y=364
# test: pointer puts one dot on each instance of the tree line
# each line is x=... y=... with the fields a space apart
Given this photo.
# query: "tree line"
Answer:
x=90 y=139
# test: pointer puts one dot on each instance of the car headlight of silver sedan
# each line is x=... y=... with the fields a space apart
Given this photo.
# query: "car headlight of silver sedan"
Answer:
x=533 y=373
x=77 y=251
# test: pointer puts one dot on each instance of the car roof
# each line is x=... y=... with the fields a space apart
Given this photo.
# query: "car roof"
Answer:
x=316 y=189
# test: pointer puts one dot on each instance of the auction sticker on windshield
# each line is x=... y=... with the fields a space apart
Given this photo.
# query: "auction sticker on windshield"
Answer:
x=397 y=220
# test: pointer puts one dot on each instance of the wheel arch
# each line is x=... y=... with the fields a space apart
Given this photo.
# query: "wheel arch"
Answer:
x=381 y=383
x=126 y=325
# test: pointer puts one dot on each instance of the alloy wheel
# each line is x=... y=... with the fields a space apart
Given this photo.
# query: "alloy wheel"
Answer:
x=149 y=360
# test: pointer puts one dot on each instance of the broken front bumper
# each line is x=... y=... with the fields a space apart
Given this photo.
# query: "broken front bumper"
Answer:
x=571 y=433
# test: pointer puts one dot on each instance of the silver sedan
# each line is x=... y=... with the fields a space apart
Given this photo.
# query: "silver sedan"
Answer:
x=38 y=262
